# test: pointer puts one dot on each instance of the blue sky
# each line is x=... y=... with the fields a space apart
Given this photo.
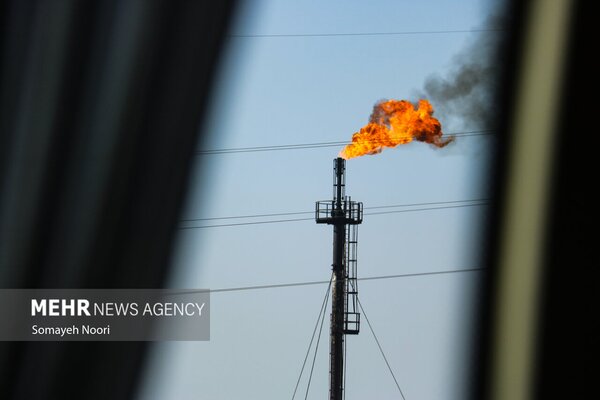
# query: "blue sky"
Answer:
x=289 y=90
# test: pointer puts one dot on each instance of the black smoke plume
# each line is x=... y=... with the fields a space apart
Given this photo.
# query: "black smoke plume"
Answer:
x=468 y=90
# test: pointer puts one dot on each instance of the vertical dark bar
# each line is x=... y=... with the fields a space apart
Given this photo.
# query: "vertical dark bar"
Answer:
x=338 y=169
x=337 y=307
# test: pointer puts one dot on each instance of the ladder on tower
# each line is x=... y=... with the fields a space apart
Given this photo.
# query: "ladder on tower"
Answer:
x=351 y=314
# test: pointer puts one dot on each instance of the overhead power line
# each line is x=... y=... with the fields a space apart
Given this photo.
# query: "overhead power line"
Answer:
x=315 y=145
x=275 y=221
x=483 y=203
x=311 y=218
x=334 y=34
x=312 y=212
x=310 y=283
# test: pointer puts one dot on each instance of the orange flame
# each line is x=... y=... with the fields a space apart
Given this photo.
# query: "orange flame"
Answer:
x=396 y=122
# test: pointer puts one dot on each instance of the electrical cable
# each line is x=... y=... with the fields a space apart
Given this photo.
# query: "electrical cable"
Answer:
x=247 y=216
x=245 y=223
x=312 y=212
x=311 y=219
x=291 y=35
x=310 y=283
x=300 y=146
x=427 y=209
